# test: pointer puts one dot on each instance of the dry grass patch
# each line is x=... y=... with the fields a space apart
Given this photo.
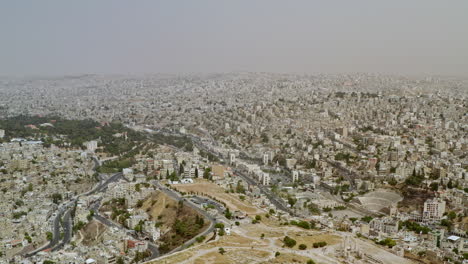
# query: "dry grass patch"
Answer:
x=158 y=203
x=309 y=238
x=238 y=256
x=286 y=258
x=256 y=230
x=91 y=234
x=174 y=259
x=235 y=240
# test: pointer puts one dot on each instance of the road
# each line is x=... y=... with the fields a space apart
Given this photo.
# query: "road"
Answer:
x=274 y=200
x=64 y=212
x=67 y=230
x=95 y=207
x=173 y=195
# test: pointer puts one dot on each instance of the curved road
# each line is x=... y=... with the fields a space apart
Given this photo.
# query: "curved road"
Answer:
x=64 y=213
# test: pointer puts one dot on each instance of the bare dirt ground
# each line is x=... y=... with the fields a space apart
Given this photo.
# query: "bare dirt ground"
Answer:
x=246 y=244
x=413 y=199
x=163 y=209
x=91 y=234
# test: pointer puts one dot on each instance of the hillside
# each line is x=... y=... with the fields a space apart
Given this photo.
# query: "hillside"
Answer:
x=178 y=222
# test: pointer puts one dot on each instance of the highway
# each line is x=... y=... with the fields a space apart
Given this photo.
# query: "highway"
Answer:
x=64 y=213
x=173 y=195
x=274 y=200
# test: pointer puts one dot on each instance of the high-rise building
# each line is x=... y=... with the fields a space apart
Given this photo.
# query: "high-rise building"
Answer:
x=295 y=175
x=232 y=158
x=266 y=159
x=434 y=209
x=266 y=179
x=91 y=146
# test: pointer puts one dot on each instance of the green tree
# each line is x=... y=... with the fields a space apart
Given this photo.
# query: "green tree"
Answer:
x=206 y=173
x=291 y=200
x=181 y=168
x=221 y=251
x=451 y=215
x=289 y=242
x=120 y=260
x=450 y=184
x=228 y=214
x=56 y=198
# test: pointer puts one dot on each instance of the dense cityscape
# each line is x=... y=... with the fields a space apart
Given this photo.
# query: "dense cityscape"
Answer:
x=238 y=167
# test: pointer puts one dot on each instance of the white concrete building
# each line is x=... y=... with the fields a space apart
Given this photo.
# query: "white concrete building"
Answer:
x=434 y=209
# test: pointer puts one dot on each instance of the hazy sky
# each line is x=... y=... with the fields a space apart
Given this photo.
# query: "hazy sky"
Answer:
x=75 y=37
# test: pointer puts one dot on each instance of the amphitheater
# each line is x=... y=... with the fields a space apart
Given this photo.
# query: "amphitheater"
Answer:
x=379 y=200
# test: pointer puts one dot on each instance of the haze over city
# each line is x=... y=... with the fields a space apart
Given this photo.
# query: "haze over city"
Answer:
x=119 y=37
x=245 y=132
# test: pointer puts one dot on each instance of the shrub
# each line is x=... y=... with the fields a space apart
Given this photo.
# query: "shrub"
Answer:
x=200 y=239
x=302 y=247
x=289 y=242
x=319 y=244
x=222 y=251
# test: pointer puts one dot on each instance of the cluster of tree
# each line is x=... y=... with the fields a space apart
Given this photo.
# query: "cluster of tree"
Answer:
x=182 y=142
x=415 y=179
x=343 y=156
x=303 y=224
x=257 y=219
x=319 y=244
x=119 y=210
x=387 y=242
x=185 y=227
x=17 y=215
x=228 y=214
x=139 y=256
x=28 y=237
x=240 y=188
x=414 y=226
x=112 y=166
x=76 y=131
x=49 y=236
x=207 y=174
x=78 y=226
